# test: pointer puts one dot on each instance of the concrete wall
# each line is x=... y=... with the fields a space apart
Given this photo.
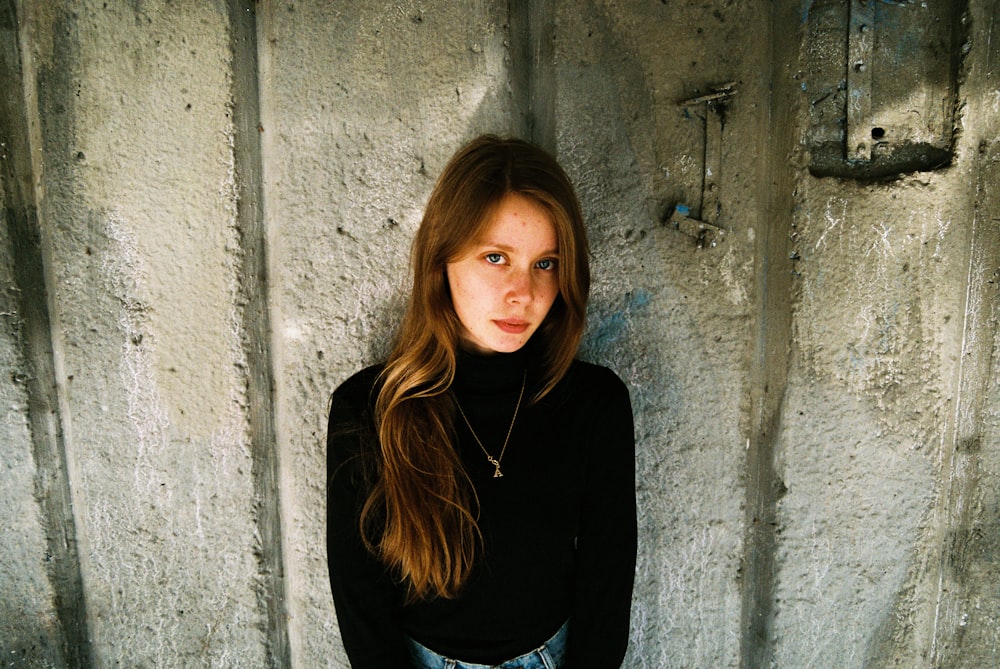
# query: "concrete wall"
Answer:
x=208 y=208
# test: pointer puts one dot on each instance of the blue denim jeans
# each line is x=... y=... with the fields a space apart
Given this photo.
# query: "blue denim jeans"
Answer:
x=550 y=655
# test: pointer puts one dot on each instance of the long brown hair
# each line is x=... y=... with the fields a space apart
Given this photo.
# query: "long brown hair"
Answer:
x=420 y=517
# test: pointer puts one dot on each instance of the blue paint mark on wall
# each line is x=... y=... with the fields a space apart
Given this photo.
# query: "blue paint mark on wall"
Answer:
x=610 y=330
x=641 y=297
x=806 y=8
x=605 y=331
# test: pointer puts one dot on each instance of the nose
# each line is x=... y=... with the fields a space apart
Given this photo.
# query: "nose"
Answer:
x=520 y=288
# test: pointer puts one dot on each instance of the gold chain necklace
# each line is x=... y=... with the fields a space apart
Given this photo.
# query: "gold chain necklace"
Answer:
x=496 y=461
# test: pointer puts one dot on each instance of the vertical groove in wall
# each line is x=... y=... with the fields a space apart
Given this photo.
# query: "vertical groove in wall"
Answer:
x=959 y=14
x=769 y=370
x=45 y=408
x=257 y=326
x=958 y=536
x=963 y=543
x=532 y=35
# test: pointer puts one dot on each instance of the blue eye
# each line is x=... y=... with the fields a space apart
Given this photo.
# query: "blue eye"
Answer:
x=547 y=264
x=494 y=258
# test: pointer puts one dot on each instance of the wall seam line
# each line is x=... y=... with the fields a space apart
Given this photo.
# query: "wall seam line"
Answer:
x=533 y=80
x=959 y=464
x=253 y=287
x=770 y=359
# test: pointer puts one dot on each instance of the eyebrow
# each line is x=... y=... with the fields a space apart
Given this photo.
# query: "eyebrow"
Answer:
x=508 y=249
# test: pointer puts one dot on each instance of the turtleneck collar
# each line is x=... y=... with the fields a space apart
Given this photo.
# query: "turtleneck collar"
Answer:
x=497 y=372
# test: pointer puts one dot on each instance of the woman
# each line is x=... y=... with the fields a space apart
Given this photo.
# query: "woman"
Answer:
x=481 y=494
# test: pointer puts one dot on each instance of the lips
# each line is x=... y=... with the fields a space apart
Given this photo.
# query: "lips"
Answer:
x=512 y=326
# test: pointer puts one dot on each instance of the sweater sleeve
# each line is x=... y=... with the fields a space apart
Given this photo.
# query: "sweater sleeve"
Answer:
x=364 y=595
x=607 y=539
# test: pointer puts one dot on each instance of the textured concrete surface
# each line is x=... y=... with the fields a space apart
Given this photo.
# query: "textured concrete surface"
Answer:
x=673 y=320
x=208 y=209
x=140 y=238
x=885 y=283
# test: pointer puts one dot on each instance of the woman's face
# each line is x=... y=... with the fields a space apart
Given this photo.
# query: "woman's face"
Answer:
x=505 y=283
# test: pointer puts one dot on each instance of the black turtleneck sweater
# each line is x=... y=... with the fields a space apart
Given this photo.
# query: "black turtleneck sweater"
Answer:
x=559 y=528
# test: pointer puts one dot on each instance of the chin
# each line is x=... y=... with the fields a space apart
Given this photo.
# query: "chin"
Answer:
x=499 y=346
x=488 y=342
x=510 y=348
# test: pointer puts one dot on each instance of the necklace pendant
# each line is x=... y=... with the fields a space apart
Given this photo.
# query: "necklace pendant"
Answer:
x=497 y=474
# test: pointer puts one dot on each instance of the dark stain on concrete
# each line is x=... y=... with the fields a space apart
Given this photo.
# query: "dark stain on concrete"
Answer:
x=52 y=487
x=253 y=278
x=769 y=372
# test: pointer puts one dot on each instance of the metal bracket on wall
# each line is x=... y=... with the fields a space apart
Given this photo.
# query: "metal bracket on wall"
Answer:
x=882 y=78
x=860 y=49
x=705 y=228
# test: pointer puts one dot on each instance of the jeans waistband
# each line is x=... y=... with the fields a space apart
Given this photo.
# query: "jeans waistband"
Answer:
x=550 y=655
